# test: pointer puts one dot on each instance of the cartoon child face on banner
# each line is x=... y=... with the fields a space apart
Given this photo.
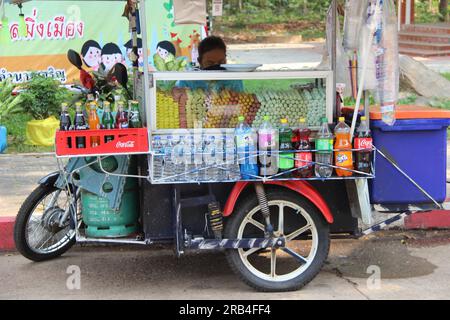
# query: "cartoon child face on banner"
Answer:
x=111 y=55
x=165 y=49
x=129 y=46
x=91 y=54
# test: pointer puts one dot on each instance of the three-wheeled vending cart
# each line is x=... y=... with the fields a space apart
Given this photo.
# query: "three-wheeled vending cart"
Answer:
x=180 y=179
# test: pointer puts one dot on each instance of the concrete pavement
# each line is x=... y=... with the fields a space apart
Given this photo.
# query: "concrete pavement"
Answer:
x=380 y=267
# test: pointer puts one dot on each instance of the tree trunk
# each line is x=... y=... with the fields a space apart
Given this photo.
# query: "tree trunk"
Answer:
x=424 y=81
x=443 y=9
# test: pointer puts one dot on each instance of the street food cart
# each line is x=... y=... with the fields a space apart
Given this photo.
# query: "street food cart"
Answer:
x=137 y=187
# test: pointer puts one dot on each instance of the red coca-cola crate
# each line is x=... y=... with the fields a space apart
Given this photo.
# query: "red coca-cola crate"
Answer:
x=98 y=142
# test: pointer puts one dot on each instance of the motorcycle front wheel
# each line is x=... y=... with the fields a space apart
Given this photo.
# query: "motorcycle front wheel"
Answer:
x=39 y=234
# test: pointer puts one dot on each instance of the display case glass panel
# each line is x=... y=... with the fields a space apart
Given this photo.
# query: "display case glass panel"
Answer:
x=188 y=104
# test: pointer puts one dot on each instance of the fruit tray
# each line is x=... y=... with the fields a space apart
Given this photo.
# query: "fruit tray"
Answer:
x=101 y=142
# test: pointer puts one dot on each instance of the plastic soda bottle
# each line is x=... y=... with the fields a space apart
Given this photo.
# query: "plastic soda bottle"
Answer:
x=303 y=159
x=107 y=120
x=121 y=117
x=363 y=140
x=246 y=143
x=343 y=158
x=65 y=123
x=268 y=148
x=286 y=160
x=94 y=123
x=324 y=153
x=135 y=118
x=80 y=124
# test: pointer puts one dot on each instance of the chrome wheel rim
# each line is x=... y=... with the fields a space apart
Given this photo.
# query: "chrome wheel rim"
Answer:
x=42 y=233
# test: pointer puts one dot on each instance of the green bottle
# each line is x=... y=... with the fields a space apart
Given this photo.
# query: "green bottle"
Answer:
x=107 y=120
x=286 y=160
x=135 y=119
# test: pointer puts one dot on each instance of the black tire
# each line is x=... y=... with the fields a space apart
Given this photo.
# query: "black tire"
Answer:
x=243 y=208
x=21 y=223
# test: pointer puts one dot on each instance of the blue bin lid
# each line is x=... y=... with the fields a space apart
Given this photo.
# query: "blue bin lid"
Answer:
x=412 y=124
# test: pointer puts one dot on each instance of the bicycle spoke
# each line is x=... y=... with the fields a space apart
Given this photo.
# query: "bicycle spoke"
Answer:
x=298 y=232
x=281 y=219
x=251 y=251
x=295 y=255
x=257 y=224
x=273 y=262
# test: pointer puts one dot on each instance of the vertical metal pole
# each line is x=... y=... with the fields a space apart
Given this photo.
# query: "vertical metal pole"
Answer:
x=333 y=55
x=133 y=24
x=146 y=89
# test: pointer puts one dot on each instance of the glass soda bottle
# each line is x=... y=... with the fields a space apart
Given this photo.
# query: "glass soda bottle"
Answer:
x=246 y=147
x=363 y=140
x=80 y=124
x=303 y=159
x=324 y=151
x=121 y=117
x=94 y=123
x=107 y=120
x=65 y=123
x=268 y=148
x=343 y=156
x=135 y=118
x=286 y=161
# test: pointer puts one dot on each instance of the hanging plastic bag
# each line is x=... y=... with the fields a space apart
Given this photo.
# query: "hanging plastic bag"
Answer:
x=378 y=56
x=342 y=75
x=42 y=132
x=387 y=61
x=190 y=11
x=355 y=12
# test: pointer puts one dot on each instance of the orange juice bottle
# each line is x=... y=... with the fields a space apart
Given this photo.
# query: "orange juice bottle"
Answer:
x=94 y=123
x=343 y=158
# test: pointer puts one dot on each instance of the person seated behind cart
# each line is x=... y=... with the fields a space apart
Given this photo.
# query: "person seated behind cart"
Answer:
x=212 y=52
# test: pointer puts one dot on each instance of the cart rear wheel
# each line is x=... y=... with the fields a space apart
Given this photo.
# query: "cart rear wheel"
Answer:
x=282 y=269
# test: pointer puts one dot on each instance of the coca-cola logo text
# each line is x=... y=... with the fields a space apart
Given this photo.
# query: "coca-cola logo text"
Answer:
x=125 y=145
x=362 y=143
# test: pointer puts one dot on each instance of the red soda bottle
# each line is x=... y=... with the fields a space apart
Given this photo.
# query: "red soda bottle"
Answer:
x=363 y=140
x=303 y=159
x=121 y=117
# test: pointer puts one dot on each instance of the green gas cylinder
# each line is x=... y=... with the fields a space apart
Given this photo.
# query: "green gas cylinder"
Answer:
x=103 y=222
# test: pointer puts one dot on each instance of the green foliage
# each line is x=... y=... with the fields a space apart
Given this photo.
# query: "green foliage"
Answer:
x=410 y=99
x=440 y=103
x=43 y=96
x=260 y=17
x=16 y=127
x=447 y=75
x=429 y=14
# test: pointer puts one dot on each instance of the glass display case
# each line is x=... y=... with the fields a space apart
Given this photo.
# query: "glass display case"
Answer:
x=193 y=116
x=215 y=100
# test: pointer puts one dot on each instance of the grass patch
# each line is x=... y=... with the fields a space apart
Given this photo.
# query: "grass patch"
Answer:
x=447 y=75
x=16 y=128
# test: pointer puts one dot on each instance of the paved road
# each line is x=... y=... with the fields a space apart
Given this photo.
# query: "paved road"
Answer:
x=300 y=56
x=418 y=269
x=19 y=175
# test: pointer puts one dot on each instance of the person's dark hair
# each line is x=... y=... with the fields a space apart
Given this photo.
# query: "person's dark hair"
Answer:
x=129 y=44
x=111 y=48
x=210 y=43
x=166 y=45
x=89 y=44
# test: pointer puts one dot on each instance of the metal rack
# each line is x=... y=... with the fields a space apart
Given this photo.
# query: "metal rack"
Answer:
x=184 y=176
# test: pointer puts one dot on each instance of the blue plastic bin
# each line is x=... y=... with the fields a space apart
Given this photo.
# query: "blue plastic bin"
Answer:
x=3 y=139
x=419 y=148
